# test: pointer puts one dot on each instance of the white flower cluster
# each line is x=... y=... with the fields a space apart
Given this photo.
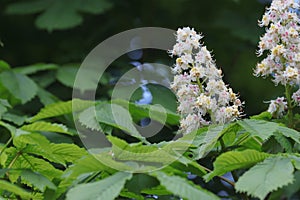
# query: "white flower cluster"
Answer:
x=282 y=42
x=202 y=95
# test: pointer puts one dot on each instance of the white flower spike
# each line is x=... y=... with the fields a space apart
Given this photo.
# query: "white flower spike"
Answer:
x=202 y=95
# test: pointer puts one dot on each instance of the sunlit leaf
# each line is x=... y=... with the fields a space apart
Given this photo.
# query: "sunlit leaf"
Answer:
x=265 y=177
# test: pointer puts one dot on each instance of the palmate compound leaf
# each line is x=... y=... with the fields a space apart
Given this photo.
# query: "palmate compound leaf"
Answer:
x=183 y=188
x=265 y=177
x=26 y=161
x=108 y=188
x=61 y=108
x=37 y=144
x=20 y=86
x=233 y=160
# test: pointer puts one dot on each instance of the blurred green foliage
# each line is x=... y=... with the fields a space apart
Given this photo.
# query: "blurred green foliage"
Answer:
x=64 y=31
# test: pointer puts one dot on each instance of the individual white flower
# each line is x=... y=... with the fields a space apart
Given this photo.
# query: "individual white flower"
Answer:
x=202 y=95
x=277 y=107
x=296 y=97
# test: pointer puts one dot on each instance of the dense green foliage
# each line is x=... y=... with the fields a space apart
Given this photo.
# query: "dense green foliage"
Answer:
x=42 y=156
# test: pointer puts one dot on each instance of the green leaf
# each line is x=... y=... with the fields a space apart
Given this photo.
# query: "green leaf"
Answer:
x=260 y=128
x=95 y=7
x=31 y=69
x=107 y=159
x=183 y=188
x=19 y=85
x=295 y=158
x=61 y=108
x=262 y=116
x=265 y=129
x=265 y=177
x=4 y=65
x=25 y=161
x=108 y=188
x=85 y=165
x=144 y=153
x=9 y=127
x=283 y=141
x=68 y=152
x=16 y=119
x=141 y=181
x=38 y=145
x=142 y=111
x=46 y=97
x=163 y=96
x=291 y=133
x=37 y=180
x=109 y=114
x=158 y=190
x=47 y=127
x=7 y=186
x=131 y=195
x=206 y=140
x=28 y=7
x=233 y=160
x=4 y=104
x=55 y=14
x=67 y=75
x=88 y=119
x=59 y=16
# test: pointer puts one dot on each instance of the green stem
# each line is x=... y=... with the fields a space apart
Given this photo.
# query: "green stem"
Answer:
x=221 y=177
x=93 y=176
x=18 y=154
x=200 y=85
x=13 y=161
x=289 y=104
x=5 y=146
x=222 y=144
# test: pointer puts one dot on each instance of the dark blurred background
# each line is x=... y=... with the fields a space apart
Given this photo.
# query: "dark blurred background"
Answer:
x=65 y=31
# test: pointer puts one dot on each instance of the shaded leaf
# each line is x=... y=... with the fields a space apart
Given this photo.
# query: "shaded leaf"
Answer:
x=84 y=165
x=37 y=180
x=28 y=7
x=16 y=119
x=7 y=186
x=183 y=188
x=31 y=69
x=19 y=85
x=108 y=188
